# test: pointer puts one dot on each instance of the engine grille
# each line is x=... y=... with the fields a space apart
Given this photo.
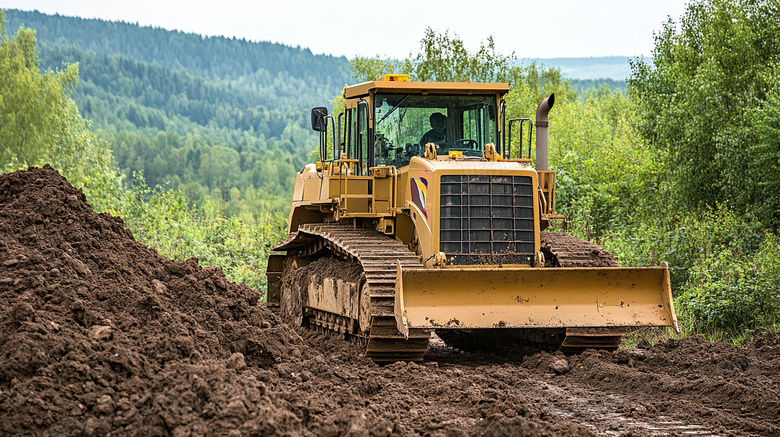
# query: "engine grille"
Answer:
x=487 y=219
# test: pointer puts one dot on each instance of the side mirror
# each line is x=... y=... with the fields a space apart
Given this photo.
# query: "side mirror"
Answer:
x=318 y=115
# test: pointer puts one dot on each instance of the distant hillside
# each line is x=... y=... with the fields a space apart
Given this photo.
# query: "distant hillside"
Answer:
x=214 y=116
x=215 y=57
x=608 y=67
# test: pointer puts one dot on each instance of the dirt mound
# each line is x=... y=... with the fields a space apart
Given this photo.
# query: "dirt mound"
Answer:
x=100 y=335
x=98 y=332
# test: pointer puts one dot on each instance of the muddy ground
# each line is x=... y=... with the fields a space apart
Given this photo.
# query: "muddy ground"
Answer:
x=100 y=335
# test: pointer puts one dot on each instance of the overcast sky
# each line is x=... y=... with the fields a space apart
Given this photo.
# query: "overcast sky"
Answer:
x=530 y=29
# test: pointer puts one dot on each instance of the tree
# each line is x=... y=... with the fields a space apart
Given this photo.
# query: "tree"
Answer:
x=699 y=95
x=40 y=123
x=34 y=106
x=765 y=165
x=445 y=58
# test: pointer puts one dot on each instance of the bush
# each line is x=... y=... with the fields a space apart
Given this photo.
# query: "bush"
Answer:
x=734 y=292
x=684 y=239
x=606 y=177
x=163 y=219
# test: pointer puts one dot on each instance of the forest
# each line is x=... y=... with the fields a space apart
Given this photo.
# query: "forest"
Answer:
x=194 y=141
x=213 y=117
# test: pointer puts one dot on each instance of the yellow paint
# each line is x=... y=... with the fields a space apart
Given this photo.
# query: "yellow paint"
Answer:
x=534 y=298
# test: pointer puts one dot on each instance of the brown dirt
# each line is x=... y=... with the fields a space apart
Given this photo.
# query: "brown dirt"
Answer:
x=100 y=335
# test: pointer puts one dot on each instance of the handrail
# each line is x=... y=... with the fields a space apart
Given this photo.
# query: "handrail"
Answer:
x=530 y=135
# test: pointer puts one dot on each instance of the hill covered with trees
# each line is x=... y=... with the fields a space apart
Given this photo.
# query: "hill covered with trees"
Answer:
x=213 y=116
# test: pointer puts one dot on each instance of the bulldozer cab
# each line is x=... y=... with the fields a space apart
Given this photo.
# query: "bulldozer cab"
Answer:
x=388 y=121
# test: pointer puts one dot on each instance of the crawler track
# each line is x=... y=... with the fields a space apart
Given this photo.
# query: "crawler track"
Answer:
x=378 y=256
x=564 y=250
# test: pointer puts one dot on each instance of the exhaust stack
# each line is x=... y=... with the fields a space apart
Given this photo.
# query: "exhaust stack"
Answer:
x=542 y=157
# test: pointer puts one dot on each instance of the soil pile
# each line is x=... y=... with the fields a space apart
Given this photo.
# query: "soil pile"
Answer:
x=100 y=335
x=98 y=332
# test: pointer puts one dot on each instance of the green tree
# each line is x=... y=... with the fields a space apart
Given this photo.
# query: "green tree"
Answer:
x=445 y=58
x=606 y=176
x=218 y=165
x=764 y=167
x=698 y=98
x=40 y=123
x=707 y=106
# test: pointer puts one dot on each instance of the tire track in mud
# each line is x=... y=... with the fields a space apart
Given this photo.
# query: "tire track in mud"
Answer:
x=482 y=393
x=604 y=413
x=546 y=385
x=689 y=387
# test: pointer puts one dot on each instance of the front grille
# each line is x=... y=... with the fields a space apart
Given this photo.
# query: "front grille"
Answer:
x=487 y=219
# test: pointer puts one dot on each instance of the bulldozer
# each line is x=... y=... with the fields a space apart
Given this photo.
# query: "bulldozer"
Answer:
x=423 y=216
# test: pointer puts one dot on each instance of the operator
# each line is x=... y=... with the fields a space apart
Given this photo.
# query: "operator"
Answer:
x=438 y=133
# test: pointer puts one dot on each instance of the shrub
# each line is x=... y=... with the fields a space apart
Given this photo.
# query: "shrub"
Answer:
x=683 y=238
x=163 y=219
x=733 y=291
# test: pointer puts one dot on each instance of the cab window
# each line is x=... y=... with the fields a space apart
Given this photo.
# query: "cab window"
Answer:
x=404 y=124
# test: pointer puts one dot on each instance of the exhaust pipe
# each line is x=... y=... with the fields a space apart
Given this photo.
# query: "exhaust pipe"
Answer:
x=542 y=157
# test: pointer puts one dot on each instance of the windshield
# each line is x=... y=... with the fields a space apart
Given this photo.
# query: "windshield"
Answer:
x=406 y=123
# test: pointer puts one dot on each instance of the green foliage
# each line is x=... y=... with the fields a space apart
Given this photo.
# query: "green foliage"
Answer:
x=40 y=123
x=707 y=105
x=215 y=117
x=366 y=69
x=445 y=58
x=683 y=239
x=606 y=175
x=734 y=292
x=163 y=219
x=764 y=167
x=699 y=96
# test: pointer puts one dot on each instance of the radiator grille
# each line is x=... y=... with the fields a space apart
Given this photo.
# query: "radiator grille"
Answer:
x=487 y=219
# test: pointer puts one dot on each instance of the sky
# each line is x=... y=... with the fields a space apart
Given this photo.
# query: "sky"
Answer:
x=394 y=28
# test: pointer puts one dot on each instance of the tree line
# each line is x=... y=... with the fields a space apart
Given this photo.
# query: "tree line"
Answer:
x=218 y=118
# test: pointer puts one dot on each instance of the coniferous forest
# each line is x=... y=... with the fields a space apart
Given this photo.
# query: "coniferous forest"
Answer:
x=215 y=117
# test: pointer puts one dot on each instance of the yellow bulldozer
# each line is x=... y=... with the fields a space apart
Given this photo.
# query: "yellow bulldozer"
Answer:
x=420 y=217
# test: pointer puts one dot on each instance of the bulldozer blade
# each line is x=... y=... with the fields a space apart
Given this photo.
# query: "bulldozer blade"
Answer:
x=590 y=297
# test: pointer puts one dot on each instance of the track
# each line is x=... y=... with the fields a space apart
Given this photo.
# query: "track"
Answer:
x=564 y=250
x=378 y=257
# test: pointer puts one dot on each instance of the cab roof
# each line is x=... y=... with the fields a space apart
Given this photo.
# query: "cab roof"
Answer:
x=394 y=84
